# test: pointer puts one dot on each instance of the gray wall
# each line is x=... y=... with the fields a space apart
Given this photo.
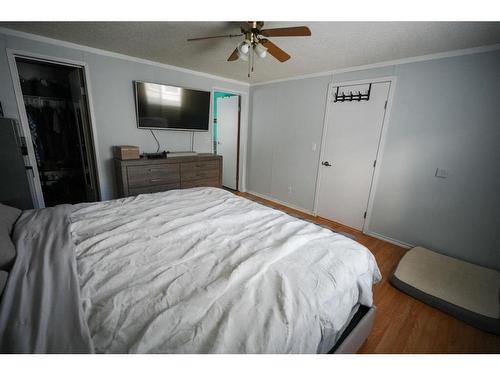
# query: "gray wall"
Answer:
x=286 y=120
x=445 y=114
x=113 y=101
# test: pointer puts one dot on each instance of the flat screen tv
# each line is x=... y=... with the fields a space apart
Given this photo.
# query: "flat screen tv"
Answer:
x=171 y=107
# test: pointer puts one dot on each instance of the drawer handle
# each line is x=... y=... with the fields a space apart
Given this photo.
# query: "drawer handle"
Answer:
x=155 y=179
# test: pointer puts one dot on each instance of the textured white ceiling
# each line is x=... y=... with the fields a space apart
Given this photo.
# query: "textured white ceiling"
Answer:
x=333 y=45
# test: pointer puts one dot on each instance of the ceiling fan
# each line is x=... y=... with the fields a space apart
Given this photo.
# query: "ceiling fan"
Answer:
x=256 y=42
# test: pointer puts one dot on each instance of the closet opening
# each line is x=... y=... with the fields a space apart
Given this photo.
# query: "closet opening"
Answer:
x=60 y=131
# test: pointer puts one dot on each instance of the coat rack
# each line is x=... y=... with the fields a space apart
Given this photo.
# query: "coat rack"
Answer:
x=352 y=96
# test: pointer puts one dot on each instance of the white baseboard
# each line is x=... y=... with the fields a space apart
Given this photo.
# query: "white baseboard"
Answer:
x=289 y=205
x=367 y=232
x=388 y=239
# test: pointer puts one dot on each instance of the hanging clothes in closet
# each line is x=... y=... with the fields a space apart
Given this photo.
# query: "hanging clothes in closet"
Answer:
x=57 y=145
x=50 y=122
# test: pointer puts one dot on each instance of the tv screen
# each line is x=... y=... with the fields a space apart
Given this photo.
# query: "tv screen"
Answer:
x=170 y=107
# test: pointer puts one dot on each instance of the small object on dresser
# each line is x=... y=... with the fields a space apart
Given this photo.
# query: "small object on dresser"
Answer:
x=155 y=155
x=126 y=152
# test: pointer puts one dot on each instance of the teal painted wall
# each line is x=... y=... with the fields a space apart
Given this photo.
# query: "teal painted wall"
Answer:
x=218 y=94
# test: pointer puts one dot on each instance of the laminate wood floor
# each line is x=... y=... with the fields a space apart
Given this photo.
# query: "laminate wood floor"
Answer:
x=404 y=324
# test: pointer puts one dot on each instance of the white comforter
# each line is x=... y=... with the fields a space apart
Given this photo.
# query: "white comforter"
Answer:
x=205 y=271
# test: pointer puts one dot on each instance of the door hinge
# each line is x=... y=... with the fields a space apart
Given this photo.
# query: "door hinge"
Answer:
x=364 y=216
x=374 y=163
x=24 y=148
x=385 y=105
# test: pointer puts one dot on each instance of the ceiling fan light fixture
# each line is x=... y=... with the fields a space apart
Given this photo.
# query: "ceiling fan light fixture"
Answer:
x=260 y=50
x=244 y=47
x=242 y=56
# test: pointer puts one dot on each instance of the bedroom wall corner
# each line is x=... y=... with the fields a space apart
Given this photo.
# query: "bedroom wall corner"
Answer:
x=111 y=79
x=444 y=115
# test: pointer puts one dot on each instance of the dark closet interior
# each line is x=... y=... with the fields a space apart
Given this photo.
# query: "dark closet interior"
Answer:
x=60 y=130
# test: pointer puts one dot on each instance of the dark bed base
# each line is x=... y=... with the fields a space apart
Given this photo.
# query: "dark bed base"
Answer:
x=356 y=332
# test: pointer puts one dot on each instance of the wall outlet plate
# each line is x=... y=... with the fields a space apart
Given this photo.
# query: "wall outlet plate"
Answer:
x=441 y=173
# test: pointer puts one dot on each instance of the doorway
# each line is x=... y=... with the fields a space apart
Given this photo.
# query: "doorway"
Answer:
x=227 y=135
x=57 y=125
x=353 y=130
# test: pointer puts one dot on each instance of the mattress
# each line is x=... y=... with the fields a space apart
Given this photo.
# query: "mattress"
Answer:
x=186 y=271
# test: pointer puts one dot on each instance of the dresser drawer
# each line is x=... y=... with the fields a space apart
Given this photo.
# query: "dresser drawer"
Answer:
x=197 y=166
x=199 y=174
x=145 y=176
x=154 y=189
x=151 y=175
x=214 y=182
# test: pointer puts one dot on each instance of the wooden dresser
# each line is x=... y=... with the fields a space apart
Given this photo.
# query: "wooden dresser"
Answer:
x=153 y=175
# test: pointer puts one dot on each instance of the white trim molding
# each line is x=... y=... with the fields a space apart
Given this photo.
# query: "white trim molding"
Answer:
x=380 y=152
x=11 y=56
x=407 y=60
x=371 y=234
x=243 y=141
x=286 y=204
x=37 y=194
x=389 y=239
x=98 y=51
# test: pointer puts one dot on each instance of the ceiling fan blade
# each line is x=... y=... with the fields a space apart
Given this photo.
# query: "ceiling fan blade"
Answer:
x=287 y=31
x=274 y=50
x=234 y=55
x=214 y=37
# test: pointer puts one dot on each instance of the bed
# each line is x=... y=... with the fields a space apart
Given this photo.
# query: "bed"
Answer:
x=185 y=271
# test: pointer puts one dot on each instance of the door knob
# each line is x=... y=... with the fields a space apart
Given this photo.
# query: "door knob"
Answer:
x=326 y=164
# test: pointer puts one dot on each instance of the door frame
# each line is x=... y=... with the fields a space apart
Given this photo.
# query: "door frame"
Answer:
x=380 y=147
x=239 y=160
x=38 y=199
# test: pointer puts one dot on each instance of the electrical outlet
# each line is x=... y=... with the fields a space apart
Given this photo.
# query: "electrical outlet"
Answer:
x=441 y=173
x=290 y=190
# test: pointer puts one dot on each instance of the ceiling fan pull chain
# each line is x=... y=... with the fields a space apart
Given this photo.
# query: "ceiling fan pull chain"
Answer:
x=249 y=64
x=253 y=58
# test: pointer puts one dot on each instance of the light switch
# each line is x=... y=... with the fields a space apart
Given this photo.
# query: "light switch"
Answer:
x=441 y=173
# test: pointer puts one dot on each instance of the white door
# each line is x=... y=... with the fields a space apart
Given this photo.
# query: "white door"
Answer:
x=353 y=131
x=227 y=139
